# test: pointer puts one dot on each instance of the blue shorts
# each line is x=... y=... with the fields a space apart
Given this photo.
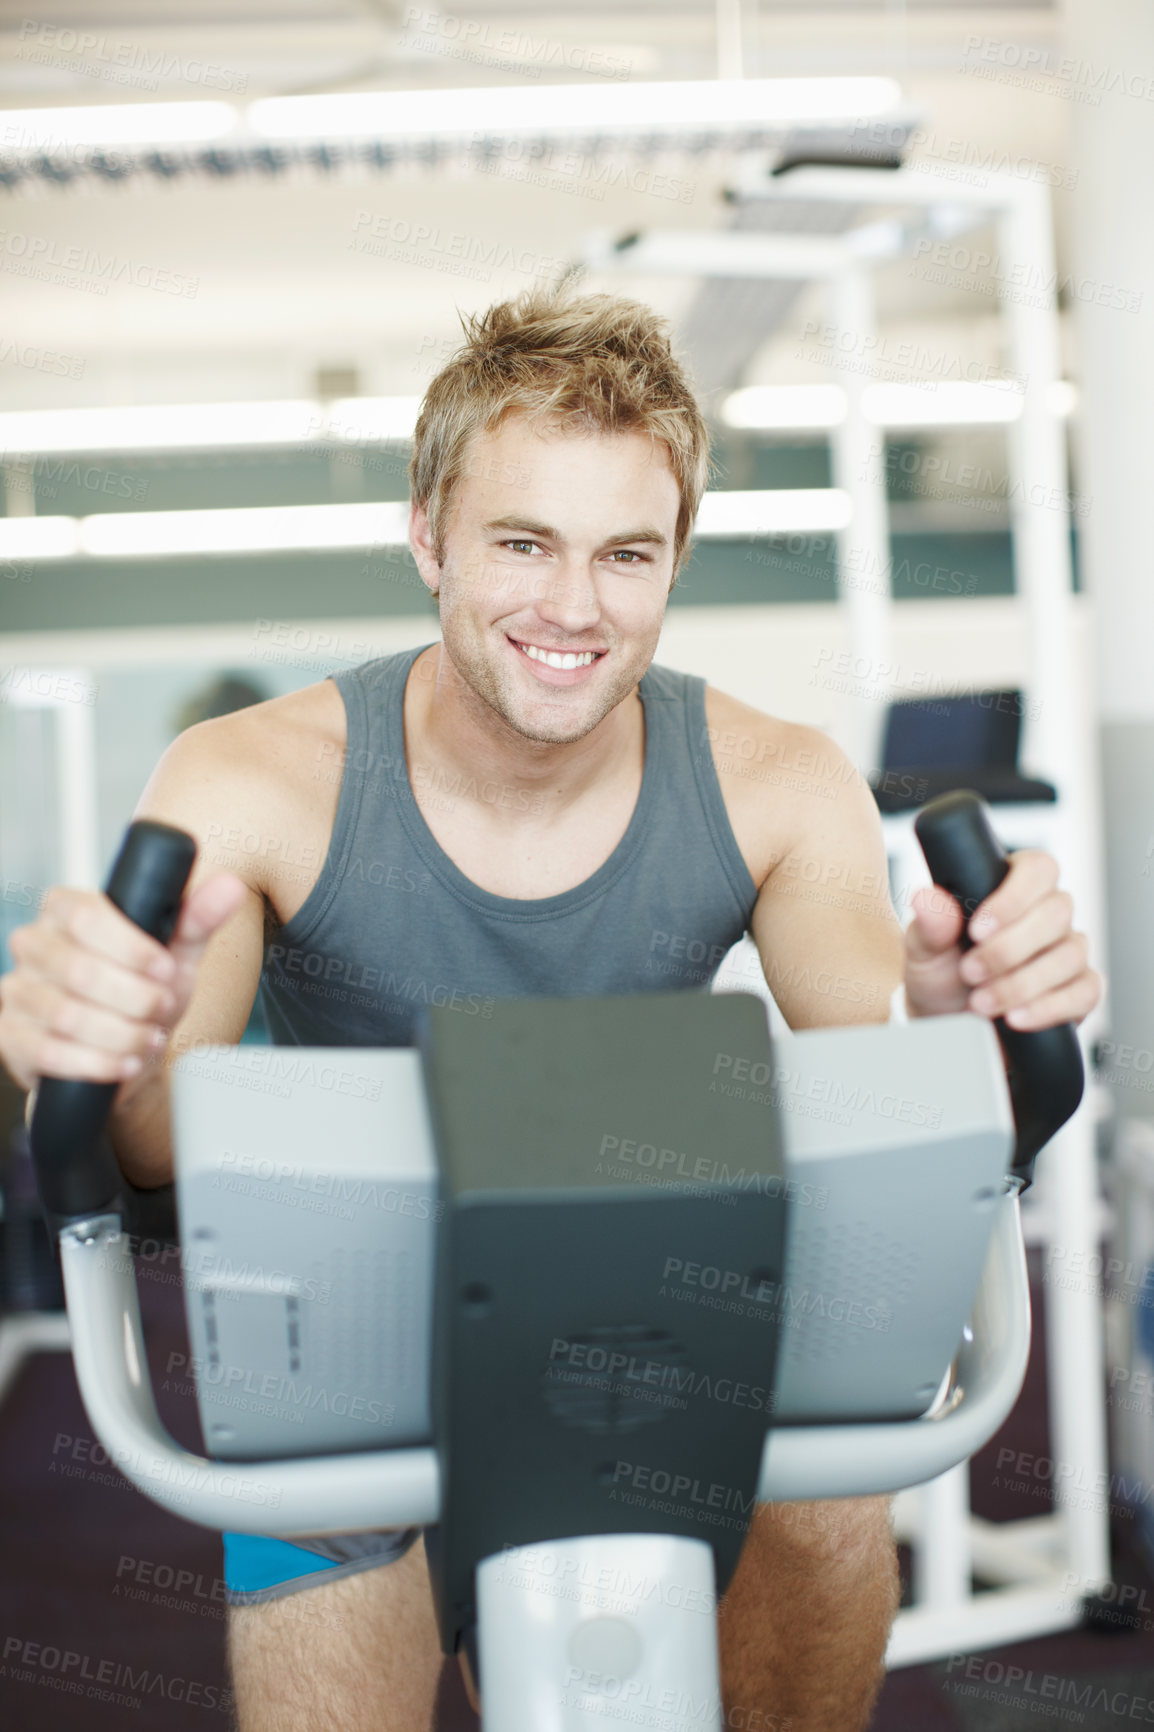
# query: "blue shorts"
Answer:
x=257 y=1568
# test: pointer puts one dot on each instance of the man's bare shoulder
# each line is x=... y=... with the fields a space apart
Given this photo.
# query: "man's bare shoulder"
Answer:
x=271 y=748
x=257 y=787
x=776 y=777
x=286 y=734
x=741 y=734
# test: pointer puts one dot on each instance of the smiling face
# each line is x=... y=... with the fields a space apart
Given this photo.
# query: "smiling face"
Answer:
x=560 y=544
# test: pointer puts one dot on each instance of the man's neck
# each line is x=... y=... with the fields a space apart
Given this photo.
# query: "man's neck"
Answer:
x=448 y=726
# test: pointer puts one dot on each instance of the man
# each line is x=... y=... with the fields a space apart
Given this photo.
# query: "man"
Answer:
x=528 y=807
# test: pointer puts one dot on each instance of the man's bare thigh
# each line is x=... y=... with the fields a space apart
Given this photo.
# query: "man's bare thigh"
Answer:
x=360 y=1654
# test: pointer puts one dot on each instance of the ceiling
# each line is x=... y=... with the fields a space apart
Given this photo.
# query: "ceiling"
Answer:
x=235 y=286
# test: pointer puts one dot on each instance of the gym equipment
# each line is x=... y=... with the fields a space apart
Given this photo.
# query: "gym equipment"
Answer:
x=932 y=744
x=576 y=1285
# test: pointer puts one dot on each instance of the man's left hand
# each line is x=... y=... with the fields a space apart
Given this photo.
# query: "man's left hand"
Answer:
x=1027 y=965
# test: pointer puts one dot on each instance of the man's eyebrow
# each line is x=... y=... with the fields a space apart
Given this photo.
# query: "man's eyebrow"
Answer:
x=547 y=532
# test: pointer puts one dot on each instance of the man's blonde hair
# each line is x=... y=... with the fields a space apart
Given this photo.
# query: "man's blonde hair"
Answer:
x=597 y=362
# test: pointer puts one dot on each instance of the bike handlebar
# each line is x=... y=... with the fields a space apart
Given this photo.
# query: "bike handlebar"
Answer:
x=77 y=1174
x=1043 y=1066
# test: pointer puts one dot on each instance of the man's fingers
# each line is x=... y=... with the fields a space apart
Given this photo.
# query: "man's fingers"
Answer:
x=1055 y=967
x=206 y=910
x=56 y=1057
x=92 y=921
x=936 y=926
x=1044 y=925
x=1032 y=875
x=53 y=969
x=1070 y=1003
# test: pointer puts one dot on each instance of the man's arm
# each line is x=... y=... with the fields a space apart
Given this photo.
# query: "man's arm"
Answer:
x=93 y=998
x=830 y=944
x=199 y=785
x=833 y=952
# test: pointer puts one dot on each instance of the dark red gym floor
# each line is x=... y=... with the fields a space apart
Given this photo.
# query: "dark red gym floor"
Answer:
x=68 y=1526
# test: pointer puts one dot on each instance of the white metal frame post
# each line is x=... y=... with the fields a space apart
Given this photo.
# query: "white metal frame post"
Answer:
x=1059 y=739
x=67 y=694
x=864 y=588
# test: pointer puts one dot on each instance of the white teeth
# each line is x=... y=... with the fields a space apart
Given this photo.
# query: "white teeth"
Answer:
x=554 y=660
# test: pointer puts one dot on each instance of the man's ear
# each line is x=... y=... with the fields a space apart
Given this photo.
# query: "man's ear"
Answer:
x=421 y=542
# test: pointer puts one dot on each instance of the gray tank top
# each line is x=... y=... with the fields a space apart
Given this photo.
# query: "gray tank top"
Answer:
x=392 y=924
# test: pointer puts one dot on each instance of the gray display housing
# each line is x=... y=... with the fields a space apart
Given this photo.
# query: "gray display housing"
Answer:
x=307 y=1196
x=307 y=1202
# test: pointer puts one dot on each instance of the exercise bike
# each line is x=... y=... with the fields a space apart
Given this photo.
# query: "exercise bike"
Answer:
x=574 y=1285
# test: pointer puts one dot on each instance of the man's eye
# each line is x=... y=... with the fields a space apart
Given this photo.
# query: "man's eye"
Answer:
x=630 y=554
x=521 y=544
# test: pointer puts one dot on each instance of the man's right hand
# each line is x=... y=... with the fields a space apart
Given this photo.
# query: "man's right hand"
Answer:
x=93 y=997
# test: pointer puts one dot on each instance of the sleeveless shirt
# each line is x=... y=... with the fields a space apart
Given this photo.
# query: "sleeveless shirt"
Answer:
x=391 y=924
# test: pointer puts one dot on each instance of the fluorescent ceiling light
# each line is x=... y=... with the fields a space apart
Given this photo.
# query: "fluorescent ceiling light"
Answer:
x=924 y=403
x=948 y=403
x=717 y=253
x=726 y=104
x=301 y=422
x=730 y=103
x=1063 y=397
x=469 y=116
x=116 y=123
x=39 y=537
x=259 y=529
x=288 y=528
x=788 y=407
x=771 y=511
x=195 y=426
x=373 y=419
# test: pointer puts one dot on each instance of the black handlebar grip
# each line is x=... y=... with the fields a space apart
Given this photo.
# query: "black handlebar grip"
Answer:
x=1043 y=1066
x=76 y=1171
